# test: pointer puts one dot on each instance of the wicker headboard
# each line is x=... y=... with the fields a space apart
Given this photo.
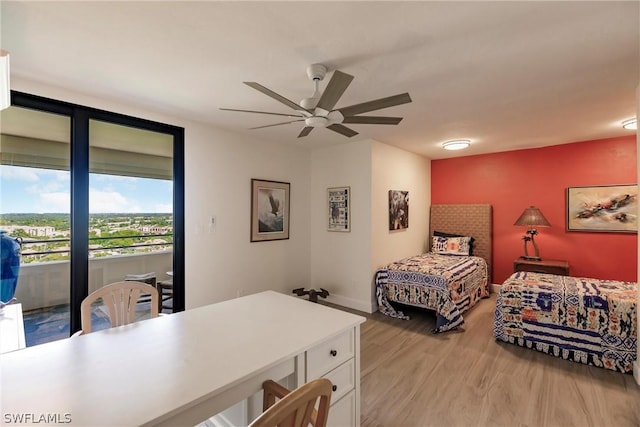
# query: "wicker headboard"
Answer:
x=467 y=220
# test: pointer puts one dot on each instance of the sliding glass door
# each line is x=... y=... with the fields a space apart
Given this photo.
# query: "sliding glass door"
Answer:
x=35 y=199
x=124 y=199
x=130 y=210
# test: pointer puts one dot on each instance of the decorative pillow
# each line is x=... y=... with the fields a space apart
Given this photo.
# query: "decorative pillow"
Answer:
x=444 y=234
x=451 y=245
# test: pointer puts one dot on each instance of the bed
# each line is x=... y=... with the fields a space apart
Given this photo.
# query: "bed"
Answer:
x=585 y=320
x=448 y=279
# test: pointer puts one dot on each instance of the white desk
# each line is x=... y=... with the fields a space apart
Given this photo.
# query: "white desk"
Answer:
x=11 y=329
x=174 y=370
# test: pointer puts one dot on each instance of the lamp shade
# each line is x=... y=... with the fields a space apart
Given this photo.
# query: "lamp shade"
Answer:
x=532 y=217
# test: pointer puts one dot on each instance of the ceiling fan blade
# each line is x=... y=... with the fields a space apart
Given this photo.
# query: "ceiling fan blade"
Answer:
x=305 y=131
x=272 y=94
x=277 y=124
x=372 y=120
x=377 y=104
x=342 y=130
x=260 y=112
x=335 y=88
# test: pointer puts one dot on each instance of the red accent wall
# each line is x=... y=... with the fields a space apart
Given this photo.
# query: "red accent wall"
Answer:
x=513 y=180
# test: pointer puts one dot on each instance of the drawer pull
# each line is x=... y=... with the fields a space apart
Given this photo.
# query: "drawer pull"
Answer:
x=334 y=353
x=334 y=387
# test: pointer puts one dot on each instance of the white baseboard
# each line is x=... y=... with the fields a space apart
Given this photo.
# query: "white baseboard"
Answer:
x=372 y=306
x=345 y=302
x=350 y=303
x=636 y=371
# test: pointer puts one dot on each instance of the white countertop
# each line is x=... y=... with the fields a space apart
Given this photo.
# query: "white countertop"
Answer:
x=144 y=372
x=11 y=328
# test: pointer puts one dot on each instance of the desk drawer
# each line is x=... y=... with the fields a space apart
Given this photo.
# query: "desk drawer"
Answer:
x=343 y=412
x=342 y=379
x=330 y=354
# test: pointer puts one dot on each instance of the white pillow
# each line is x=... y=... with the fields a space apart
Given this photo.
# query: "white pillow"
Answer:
x=451 y=245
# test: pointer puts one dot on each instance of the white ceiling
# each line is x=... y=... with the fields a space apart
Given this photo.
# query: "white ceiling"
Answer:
x=507 y=75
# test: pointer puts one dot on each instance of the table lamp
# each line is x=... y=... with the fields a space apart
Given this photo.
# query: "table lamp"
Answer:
x=531 y=218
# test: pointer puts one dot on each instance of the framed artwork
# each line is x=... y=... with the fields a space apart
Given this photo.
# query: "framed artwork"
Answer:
x=608 y=208
x=339 y=204
x=269 y=210
x=398 y=210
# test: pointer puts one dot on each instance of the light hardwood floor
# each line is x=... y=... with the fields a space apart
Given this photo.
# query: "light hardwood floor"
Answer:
x=411 y=377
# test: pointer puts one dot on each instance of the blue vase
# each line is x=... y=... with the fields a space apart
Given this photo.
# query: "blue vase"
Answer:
x=10 y=266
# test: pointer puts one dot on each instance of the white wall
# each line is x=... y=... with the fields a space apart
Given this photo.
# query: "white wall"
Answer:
x=219 y=166
x=345 y=263
x=396 y=169
x=340 y=261
x=222 y=264
x=636 y=366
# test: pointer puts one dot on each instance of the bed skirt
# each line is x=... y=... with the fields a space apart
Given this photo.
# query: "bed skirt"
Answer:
x=584 y=320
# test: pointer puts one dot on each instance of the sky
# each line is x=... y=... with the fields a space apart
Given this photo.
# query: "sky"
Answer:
x=31 y=190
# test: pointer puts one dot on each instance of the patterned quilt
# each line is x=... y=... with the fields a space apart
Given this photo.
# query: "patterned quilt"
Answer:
x=589 y=321
x=448 y=284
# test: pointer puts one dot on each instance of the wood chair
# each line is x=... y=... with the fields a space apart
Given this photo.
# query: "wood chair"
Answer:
x=120 y=299
x=295 y=408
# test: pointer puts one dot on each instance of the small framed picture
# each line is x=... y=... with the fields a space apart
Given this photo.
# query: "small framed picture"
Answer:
x=611 y=208
x=398 y=210
x=339 y=203
x=269 y=210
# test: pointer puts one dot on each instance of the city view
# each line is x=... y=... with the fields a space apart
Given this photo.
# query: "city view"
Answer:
x=45 y=237
x=127 y=214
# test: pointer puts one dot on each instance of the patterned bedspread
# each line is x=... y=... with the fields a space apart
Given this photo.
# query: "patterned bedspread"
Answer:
x=585 y=320
x=448 y=284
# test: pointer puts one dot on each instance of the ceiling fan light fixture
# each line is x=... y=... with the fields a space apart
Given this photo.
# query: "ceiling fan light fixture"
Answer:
x=456 y=144
x=316 y=122
x=631 y=124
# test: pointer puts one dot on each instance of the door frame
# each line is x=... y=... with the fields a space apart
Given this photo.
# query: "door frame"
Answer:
x=80 y=117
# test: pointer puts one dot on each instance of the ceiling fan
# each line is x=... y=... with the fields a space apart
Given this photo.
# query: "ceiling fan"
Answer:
x=318 y=110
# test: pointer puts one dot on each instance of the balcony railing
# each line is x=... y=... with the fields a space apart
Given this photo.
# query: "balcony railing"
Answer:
x=93 y=248
x=45 y=283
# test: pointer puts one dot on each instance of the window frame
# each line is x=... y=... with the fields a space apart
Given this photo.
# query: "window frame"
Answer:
x=80 y=116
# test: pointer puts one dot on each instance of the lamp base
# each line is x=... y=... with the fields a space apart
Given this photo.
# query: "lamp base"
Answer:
x=531 y=258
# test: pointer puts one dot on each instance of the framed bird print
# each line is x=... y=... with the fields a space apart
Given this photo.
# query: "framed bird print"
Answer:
x=269 y=210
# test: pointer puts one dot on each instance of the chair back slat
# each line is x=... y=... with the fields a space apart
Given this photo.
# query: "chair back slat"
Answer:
x=120 y=300
x=297 y=408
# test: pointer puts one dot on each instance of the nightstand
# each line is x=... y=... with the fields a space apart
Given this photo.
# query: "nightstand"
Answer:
x=549 y=266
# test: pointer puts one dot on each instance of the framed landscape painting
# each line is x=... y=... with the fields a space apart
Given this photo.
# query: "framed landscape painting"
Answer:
x=607 y=208
x=269 y=210
x=339 y=208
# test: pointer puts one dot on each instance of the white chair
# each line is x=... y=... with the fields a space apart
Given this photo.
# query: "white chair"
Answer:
x=120 y=299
